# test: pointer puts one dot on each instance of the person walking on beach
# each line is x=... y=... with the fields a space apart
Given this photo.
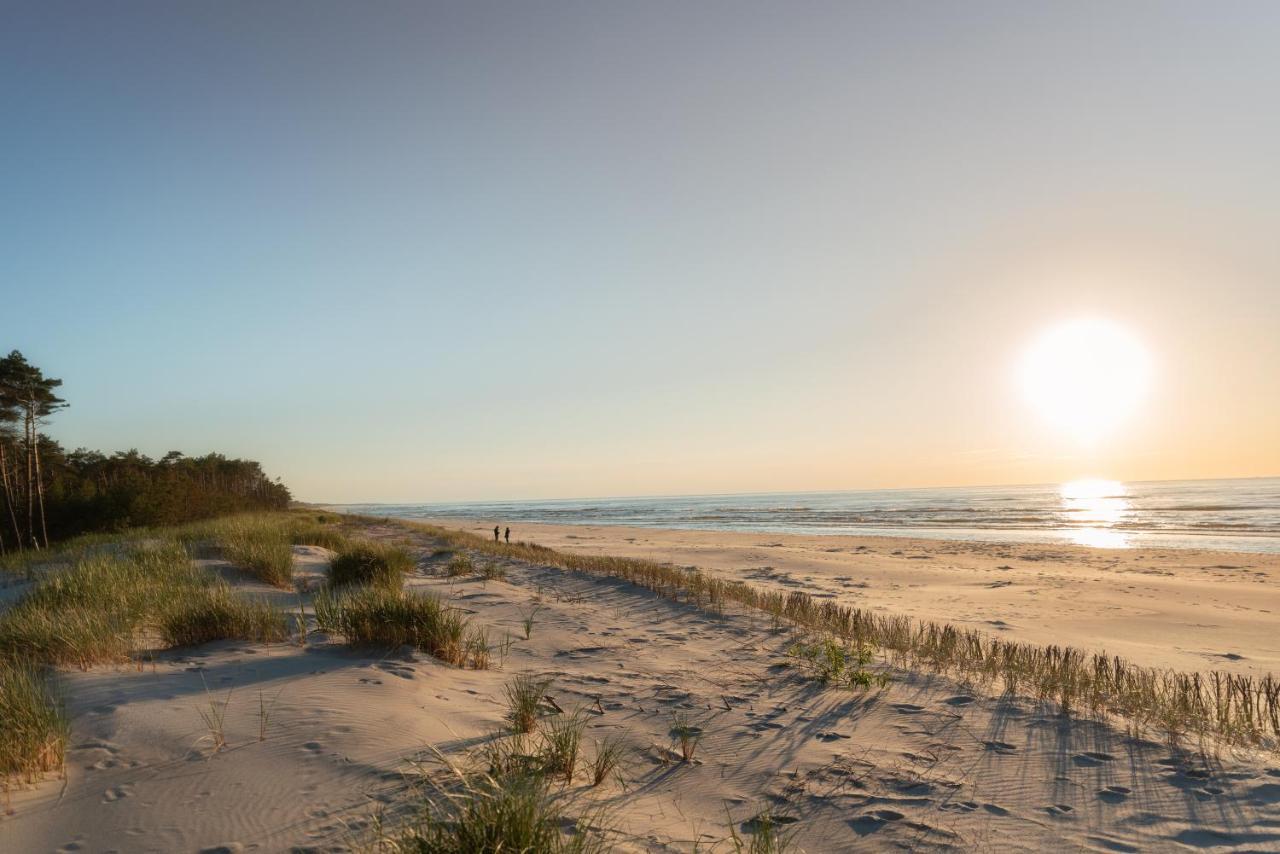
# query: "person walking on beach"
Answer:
x=495 y=533
x=507 y=534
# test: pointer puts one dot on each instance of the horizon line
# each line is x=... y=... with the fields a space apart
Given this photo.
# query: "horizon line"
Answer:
x=766 y=492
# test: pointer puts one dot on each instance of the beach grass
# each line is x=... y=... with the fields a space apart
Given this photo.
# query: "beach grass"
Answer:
x=108 y=606
x=261 y=545
x=524 y=701
x=481 y=812
x=459 y=565
x=388 y=619
x=368 y=562
x=33 y=737
x=562 y=744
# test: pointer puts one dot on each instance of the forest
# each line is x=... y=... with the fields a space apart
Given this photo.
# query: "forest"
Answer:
x=48 y=493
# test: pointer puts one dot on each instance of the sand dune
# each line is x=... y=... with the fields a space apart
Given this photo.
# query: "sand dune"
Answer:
x=923 y=764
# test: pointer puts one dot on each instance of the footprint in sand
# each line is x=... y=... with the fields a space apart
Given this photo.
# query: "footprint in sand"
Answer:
x=1059 y=809
x=116 y=793
x=1090 y=759
x=907 y=708
x=1114 y=794
x=959 y=806
x=962 y=700
x=401 y=670
x=832 y=736
x=871 y=822
x=999 y=746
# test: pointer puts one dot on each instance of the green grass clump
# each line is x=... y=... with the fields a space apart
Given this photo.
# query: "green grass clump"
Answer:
x=375 y=616
x=106 y=607
x=766 y=835
x=514 y=814
x=524 y=701
x=608 y=754
x=369 y=562
x=563 y=737
x=261 y=546
x=33 y=737
x=835 y=662
x=217 y=613
x=460 y=565
x=309 y=532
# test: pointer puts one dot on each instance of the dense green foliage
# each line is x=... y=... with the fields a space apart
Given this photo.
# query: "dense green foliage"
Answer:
x=48 y=493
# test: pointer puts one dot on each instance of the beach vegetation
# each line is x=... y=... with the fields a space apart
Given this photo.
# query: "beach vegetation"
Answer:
x=686 y=734
x=563 y=742
x=833 y=661
x=260 y=545
x=606 y=758
x=459 y=565
x=525 y=694
x=369 y=562
x=106 y=607
x=384 y=618
x=481 y=812
x=35 y=728
x=765 y=835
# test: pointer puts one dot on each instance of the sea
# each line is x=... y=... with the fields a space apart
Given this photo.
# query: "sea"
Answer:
x=1229 y=515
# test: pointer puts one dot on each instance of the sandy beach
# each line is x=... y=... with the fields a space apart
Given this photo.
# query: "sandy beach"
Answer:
x=1178 y=608
x=352 y=735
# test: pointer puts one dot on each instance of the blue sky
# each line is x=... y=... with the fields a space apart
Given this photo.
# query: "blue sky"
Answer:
x=449 y=251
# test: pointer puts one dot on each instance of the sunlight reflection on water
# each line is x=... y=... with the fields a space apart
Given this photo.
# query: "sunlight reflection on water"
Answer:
x=1092 y=510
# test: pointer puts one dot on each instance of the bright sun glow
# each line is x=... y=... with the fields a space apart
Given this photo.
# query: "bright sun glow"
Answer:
x=1085 y=377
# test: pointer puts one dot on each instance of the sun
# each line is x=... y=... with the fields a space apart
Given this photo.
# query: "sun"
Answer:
x=1085 y=377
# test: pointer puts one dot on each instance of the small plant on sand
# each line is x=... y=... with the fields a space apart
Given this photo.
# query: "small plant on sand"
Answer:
x=372 y=563
x=686 y=734
x=476 y=649
x=766 y=835
x=264 y=713
x=324 y=604
x=493 y=571
x=460 y=565
x=214 y=716
x=832 y=662
x=608 y=754
x=34 y=728
x=563 y=737
x=483 y=813
x=526 y=620
x=524 y=701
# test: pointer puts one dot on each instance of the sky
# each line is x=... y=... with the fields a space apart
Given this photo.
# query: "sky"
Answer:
x=466 y=251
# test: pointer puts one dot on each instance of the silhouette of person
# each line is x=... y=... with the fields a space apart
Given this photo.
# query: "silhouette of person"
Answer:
x=495 y=533
x=508 y=536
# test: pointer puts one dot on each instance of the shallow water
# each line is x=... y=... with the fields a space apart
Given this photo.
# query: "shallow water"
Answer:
x=1233 y=515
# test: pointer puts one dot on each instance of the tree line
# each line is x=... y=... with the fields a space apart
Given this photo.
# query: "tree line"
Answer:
x=48 y=493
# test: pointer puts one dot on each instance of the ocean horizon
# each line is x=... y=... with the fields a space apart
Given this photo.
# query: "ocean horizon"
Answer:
x=1235 y=514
